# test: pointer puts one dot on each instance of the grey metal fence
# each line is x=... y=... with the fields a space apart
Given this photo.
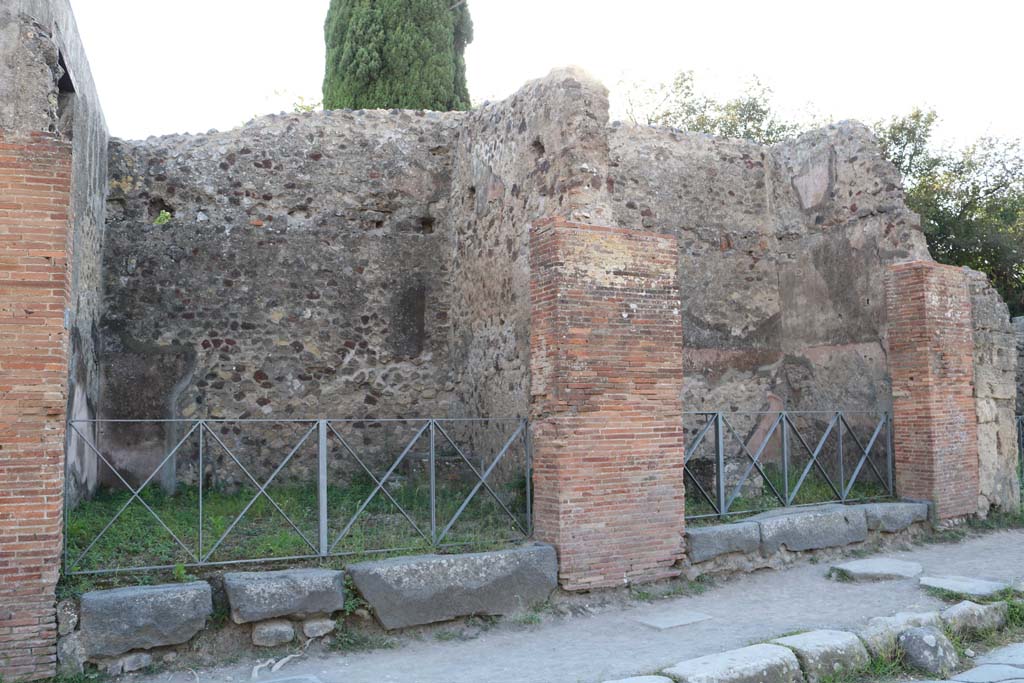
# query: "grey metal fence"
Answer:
x=743 y=462
x=221 y=492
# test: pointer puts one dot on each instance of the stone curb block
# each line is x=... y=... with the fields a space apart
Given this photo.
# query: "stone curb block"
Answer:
x=705 y=543
x=813 y=530
x=970 y=617
x=825 y=653
x=893 y=517
x=880 y=634
x=423 y=589
x=141 y=617
x=258 y=596
x=764 y=663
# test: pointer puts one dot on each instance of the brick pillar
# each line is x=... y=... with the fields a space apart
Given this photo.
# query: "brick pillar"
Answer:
x=606 y=350
x=931 y=347
x=35 y=178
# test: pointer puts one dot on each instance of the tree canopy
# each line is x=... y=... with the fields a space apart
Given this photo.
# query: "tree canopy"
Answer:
x=406 y=54
x=971 y=200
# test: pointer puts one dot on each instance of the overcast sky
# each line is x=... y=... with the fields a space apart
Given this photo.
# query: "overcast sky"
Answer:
x=165 y=66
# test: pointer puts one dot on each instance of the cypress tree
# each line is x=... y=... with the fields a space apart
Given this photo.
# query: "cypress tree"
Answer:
x=406 y=54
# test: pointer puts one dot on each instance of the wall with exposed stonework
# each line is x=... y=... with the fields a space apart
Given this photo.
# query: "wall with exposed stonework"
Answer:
x=782 y=257
x=782 y=251
x=995 y=396
x=1018 y=328
x=52 y=177
x=46 y=86
x=304 y=273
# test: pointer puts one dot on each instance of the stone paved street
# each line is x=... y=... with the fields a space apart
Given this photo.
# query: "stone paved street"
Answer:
x=614 y=643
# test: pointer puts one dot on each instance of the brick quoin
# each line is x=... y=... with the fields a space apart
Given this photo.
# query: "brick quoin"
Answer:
x=606 y=349
x=931 y=349
x=35 y=180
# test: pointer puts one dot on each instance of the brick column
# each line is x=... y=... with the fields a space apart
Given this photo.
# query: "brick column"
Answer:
x=606 y=349
x=35 y=178
x=931 y=347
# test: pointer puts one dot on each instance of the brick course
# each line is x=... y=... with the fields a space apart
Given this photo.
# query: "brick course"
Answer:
x=606 y=359
x=35 y=181
x=931 y=349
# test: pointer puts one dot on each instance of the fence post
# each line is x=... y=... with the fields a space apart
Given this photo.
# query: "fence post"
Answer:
x=889 y=451
x=433 y=488
x=842 y=470
x=202 y=476
x=720 y=456
x=785 y=457
x=529 y=477
x=322 y=485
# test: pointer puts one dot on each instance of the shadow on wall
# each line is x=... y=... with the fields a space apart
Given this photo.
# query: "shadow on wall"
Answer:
x=142 y=382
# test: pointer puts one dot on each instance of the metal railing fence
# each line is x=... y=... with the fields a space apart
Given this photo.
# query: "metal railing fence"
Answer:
x=246 y=491
x=745 y=462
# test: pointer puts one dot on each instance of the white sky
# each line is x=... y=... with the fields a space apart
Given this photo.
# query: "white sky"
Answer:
x=165 y=66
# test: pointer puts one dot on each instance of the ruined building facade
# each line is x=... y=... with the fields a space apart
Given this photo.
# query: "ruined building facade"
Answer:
x=529 y=258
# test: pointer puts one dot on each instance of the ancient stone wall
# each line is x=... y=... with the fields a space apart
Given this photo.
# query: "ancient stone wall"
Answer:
x=46 y=85
x=539 y=153
x=303 y=273
x=995 y=394
x=781 y=259
x=1018 y=328
x=782 y=251
x=52 y=175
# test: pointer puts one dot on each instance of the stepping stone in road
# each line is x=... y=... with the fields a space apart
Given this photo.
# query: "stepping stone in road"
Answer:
x=1012 y=655
x=989 y=673
x=978 y=588
x=671 y=618
x=877 y=569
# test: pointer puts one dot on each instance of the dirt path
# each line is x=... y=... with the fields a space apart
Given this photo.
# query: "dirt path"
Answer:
x=611 y=644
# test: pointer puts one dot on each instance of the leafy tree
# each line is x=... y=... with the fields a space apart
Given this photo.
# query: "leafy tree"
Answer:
x=404 y=54
x=971 y=200
x=680 y=105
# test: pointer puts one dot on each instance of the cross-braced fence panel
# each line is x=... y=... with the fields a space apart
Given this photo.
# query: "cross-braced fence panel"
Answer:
x=241 y=491
x=744 y=462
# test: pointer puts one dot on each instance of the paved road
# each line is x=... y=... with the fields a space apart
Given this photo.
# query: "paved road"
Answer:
x=613 y=644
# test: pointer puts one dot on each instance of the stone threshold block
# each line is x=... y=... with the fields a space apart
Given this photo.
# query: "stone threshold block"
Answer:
x=141 y=617
x=424 y=589
x=964 y=585
x=875 y=569
x=258 y=596
x=764 y=663
x=823 y=654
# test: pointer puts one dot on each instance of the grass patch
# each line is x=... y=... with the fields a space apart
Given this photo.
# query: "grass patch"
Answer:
x=754 y=498
x=137 y=539
x=347 y=640
x=840 y=575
